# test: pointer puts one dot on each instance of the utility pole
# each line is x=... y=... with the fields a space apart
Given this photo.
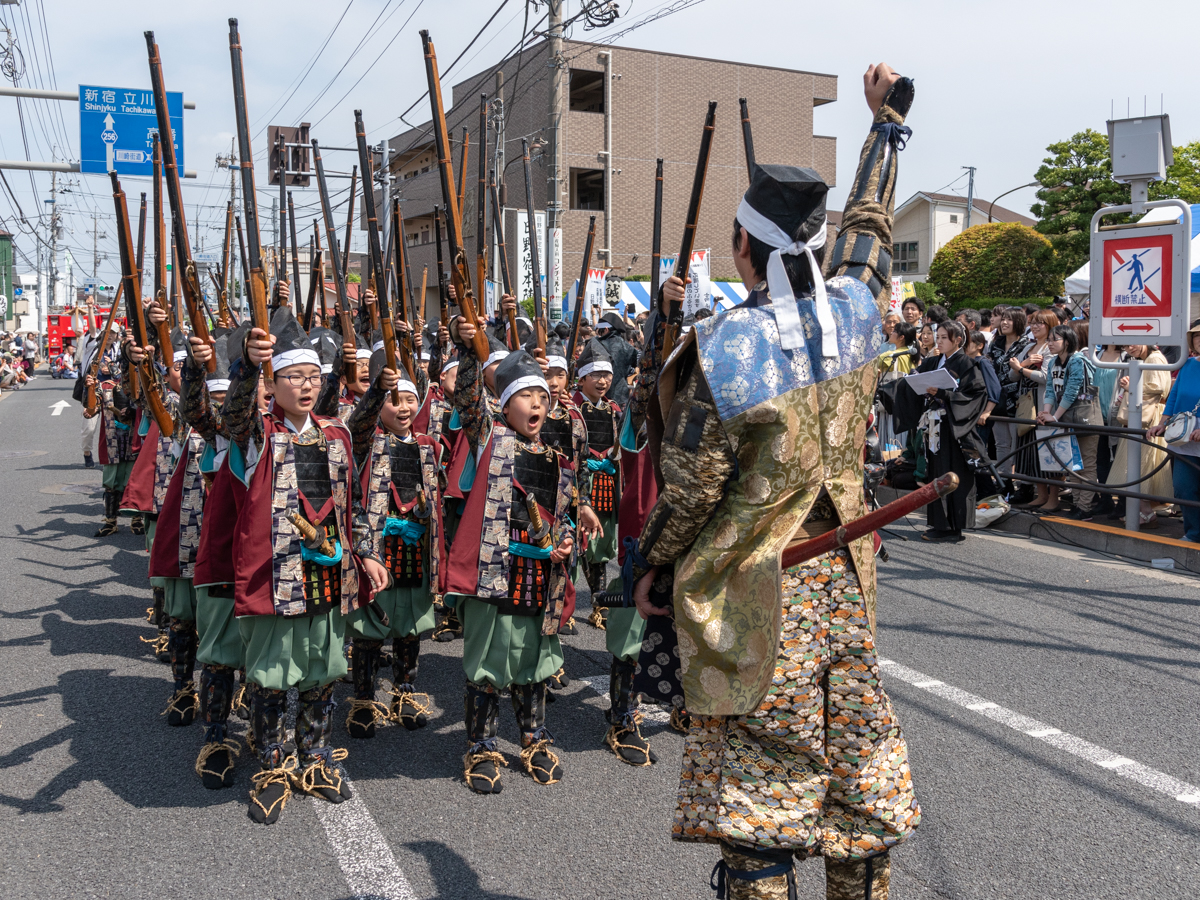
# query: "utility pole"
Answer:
x=96 y=234
x=554 y=150
x=53 y=293
x=498 y=165
x=970 y=196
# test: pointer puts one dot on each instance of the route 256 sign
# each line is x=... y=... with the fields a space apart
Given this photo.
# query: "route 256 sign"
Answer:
x=1140 y=282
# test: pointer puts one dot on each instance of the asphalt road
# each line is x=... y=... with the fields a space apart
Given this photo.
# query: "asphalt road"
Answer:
x=986 y=641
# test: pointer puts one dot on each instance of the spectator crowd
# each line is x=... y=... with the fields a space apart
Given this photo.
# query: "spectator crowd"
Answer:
x=1039 y=366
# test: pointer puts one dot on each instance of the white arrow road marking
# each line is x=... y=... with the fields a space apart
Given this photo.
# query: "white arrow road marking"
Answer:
x=59 y=407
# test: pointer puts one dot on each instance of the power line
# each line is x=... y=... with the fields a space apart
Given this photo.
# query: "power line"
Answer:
x=300 y=80
x=379 y=57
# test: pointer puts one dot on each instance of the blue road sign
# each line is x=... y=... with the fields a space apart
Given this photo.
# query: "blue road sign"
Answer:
x=116 y=128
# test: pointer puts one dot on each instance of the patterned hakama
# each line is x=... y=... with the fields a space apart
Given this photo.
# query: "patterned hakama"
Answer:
x=821 y=767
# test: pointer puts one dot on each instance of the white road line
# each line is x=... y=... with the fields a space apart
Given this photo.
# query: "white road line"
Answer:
x=1048 y=734
x=362 y=852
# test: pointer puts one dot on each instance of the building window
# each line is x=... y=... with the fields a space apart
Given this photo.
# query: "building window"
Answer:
x=953 y=218
x=587 y=91
x=587 y=189
x=904 y=257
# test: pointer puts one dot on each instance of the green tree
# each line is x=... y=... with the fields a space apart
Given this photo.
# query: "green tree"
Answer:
x=353 y=278
x=999 y=260
x=1076 y=181
x=1183 y=176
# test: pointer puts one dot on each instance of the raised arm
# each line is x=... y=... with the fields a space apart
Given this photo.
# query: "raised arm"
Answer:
x=468 y=393
x=863 y=249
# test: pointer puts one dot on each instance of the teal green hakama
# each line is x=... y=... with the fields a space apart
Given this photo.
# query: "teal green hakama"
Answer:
x=116 y=476
x=503 y=650
x=409 y=611
x=220 y=637
x=303 y=652
x=179 y=598
x=603 y=547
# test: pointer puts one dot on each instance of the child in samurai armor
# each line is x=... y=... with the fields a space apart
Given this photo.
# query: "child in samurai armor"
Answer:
x=507 y=570
x=401 y=481
x=219 y=641
x=565 y=431
x=173 y=559
x=301 y=546
x=149 y=480
x=116 y=438
x=594 y=371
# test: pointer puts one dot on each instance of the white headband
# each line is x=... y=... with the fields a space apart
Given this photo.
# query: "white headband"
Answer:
x=450 y=364
x=218 y=384
x=180 y=356
x=362 y=354
x=407 y=386
x=294 y=358
x=598 y=366
x=496 y=357
x=783 y=300
x=520 y=384
x=557 y=362
x=376 y=347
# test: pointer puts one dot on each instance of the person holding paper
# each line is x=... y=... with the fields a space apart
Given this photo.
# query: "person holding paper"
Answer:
x=946 y=416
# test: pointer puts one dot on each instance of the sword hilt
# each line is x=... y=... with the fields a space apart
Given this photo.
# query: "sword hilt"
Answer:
x=313 y=539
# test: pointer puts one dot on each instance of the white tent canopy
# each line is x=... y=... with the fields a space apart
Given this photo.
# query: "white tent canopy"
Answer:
x=1079 y=285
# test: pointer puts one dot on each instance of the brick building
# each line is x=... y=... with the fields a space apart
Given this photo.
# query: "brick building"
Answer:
x=656 y=108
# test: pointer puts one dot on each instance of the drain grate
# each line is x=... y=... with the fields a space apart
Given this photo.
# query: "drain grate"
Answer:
x=21 y=454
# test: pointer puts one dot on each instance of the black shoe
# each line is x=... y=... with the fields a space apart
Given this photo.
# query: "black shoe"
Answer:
x=482 y=771
x=272 y=790
x=89 y=462
x=542 y=763
x=138 y=525
x=108 y=529
x=327 y=781
x=409 y=708
x=629 y=745
x=568 y=627
x=942 y=537
x=215 y=764
x=1083 y=515
x=181 y=710
x=360 y=721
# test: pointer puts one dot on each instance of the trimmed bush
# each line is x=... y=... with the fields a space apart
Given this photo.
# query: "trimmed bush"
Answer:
x=999 y=259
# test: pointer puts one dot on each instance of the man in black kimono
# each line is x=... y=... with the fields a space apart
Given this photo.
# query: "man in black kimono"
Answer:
x=947 y=419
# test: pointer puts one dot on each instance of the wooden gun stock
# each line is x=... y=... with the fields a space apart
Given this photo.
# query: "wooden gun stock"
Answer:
x=349 y=366
x=458 y=270
x=675 y=315
x=135 y=314
x=255 y=275
x=747 y=140
x=188 y=280
x=101 y=349
x=580 y=297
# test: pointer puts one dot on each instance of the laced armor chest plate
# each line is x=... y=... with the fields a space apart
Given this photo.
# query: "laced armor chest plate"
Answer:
x=556 y=431
x=322 y=584
x=600 y=430
x=405 y=458
x=534 y=473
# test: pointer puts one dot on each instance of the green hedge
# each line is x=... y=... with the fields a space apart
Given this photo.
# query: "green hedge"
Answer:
x=999 y=259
